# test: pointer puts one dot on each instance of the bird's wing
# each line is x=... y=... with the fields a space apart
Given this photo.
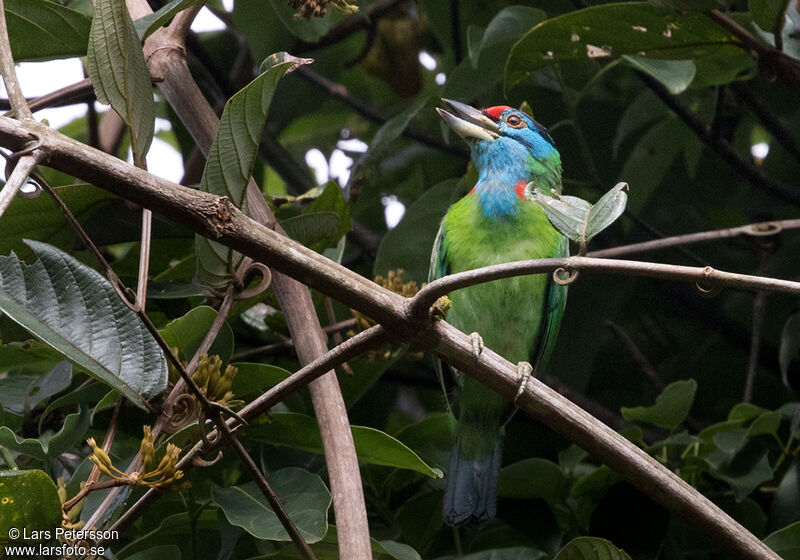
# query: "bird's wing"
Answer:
x=438 y=269
x=553 y=312
x=438 y=266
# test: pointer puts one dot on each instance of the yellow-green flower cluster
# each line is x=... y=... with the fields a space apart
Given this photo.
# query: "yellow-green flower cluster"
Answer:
x=215 y=383
x=163 y=474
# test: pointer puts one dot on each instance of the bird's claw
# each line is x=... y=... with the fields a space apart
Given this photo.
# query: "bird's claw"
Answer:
x=477 y=345
x=524 y=371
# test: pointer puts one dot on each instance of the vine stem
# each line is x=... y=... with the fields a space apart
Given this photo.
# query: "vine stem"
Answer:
x=19 y=105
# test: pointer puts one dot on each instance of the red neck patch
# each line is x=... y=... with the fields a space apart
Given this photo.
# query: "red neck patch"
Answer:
x=495 y=112
x=519 y=188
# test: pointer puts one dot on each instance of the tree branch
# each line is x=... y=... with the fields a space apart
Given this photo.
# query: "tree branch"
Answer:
x=19 y=104
x=755 y=175
x=165 y=54
x=761 y=229
x=216 y=218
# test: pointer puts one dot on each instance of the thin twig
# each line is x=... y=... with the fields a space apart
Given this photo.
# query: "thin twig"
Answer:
x=19 y=104
x=755 y=175
x=637 y=356
x=706 y=278
x=91 y=481
x=755 y=345
x=341 y=93
x=363 y=19
x=25 y=166
x=780 y=21
x=267 y=349
x=761 y=229
x=764 y=113
x=362 y=342
x=770 y=57
x=68 y=95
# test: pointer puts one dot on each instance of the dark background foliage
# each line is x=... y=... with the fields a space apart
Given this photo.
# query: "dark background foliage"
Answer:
x=677 y=121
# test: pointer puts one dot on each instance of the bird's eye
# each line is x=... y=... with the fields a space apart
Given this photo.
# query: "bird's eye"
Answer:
x=515 y=121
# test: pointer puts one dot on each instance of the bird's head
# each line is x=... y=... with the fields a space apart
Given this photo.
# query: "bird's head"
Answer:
x=503 y=139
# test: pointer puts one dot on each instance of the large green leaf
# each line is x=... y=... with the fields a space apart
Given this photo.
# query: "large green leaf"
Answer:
x=790 y=346
x=150 y=23
x=676 y=75
x=786 y=542
x=187 y=333
x=532 y=478
x=408 y=246
x=302 y=494
x=72 y=308
x=591 y=548
x=162 y=552
x=41 y=220
x=21 y=392
x=41 y=29
x=365 y=168
x=116 y=65
x=29 y=500
x=671 y=406
x=612 y=30
x=374 y=447
x=323 y=223
x=328 y=549
x=73 y=430
x=232 y=155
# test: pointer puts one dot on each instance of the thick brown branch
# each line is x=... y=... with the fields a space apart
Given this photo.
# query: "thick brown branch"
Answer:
x=216 y=218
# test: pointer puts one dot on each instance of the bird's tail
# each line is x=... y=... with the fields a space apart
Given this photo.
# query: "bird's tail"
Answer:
x=471 y=494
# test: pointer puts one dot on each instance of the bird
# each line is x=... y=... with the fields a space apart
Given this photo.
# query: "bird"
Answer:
x=519 y=318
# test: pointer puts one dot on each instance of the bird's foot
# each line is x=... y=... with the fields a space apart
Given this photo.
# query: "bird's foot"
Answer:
x=477 y=345
x=524 y=371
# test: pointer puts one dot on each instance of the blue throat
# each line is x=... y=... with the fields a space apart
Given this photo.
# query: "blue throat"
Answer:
x=501 y=165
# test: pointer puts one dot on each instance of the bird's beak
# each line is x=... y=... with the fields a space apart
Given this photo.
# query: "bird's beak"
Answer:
x=471 y=124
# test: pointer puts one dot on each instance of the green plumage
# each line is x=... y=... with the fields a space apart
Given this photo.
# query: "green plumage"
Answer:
x=517 y=317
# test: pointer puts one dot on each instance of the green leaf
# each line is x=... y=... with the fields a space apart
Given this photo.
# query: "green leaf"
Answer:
x=532 y=478
x=591 y=548
x=365 y=168
x=323 y=223
x=783 y=510
x=509 y=553
x=73 y=309
x=611 y=30
x=507 y=26
x=373 y=447
x=766 y=12
x=744 y=483
x=116 y=65
x=790 y=346
x=41 y=220
x=41 y=29
x=27 y=446
x=675 y=75
x=28 y=499
x=187 y=333
x=256 y=378
x=786 y=542
x=74 y=427
x=19 y=393
x=85 y=395
x=303 y=495
x=163 y=552
x=576 y=218
x=231 y=158
x=671 y=406
x=148 y=24
x=328 y=549
x=408 y=246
